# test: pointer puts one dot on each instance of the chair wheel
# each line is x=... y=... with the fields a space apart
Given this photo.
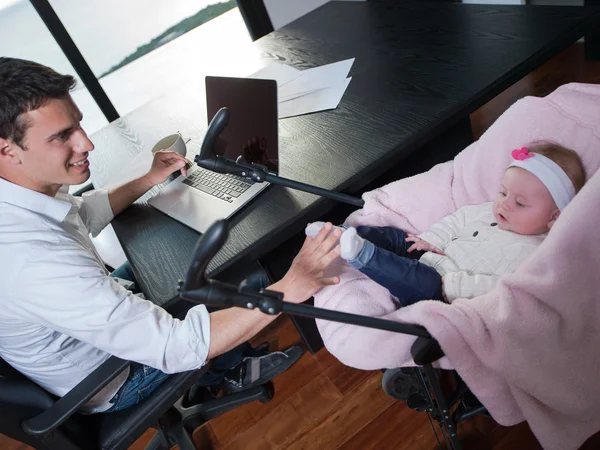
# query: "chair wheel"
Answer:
x=401 y=383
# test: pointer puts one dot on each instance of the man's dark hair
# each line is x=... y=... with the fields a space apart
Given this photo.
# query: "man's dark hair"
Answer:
x=26 y=86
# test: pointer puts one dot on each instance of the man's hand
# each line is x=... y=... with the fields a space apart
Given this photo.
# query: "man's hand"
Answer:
x=420 y=244
x=305 y=276
x=163 y=165
x=231 y=326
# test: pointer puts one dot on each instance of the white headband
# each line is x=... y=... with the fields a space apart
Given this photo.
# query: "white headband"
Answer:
x=551 y=174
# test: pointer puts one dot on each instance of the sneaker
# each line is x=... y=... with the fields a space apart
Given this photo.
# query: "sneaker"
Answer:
x=260 y=368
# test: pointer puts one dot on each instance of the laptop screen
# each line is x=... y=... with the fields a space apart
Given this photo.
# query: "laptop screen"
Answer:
x=252 y=129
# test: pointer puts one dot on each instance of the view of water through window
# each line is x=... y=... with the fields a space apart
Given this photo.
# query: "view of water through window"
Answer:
x=109 y=33
x=131 y=46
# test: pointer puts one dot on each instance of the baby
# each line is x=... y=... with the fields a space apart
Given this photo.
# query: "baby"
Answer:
x=464 y=254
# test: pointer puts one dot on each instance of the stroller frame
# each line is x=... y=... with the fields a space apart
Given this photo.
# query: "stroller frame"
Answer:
x=423 y=391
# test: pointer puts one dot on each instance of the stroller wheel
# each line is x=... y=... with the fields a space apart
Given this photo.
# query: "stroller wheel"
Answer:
x=401 y=383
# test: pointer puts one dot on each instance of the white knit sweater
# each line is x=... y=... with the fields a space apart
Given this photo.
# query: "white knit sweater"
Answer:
x=477 y=251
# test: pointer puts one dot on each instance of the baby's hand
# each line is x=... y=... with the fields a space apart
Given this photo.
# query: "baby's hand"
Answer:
x=420 y=244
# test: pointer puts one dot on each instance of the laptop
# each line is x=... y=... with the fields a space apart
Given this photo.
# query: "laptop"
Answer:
x=203 y=197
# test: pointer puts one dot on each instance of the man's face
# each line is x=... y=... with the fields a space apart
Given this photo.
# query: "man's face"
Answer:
x=55 y=148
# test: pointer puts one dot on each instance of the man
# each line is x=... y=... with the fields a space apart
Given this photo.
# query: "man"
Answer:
x=61 y=314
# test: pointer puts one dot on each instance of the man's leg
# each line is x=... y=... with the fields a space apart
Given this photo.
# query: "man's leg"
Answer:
x=140 y=383
x=256 y=279
x=244 y=367
x=125 y=272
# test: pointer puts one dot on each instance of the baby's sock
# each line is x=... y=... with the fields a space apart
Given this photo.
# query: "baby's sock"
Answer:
x=351 y=244
x=312 y=229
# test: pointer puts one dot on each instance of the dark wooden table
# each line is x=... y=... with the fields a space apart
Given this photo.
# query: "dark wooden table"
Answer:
x=420 y=70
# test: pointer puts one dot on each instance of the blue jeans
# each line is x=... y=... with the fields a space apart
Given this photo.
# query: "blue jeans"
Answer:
x=140 y=383
x=143 y=380
x=125 y=272
x=384 y=258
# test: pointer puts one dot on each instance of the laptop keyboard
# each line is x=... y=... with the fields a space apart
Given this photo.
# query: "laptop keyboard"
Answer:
x=226 y=187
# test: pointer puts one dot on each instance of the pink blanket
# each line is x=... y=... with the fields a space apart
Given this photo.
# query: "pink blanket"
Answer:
x=530 y=349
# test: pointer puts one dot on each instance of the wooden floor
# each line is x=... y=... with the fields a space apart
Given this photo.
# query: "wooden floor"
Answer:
x=321 y=404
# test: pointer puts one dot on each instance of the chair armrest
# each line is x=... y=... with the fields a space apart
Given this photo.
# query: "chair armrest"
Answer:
x=426 y=350
x=66 y=406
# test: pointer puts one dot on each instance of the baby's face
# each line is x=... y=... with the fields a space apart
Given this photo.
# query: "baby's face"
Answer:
x=524 y=205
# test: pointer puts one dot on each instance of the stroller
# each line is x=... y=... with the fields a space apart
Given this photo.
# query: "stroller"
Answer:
x=513 y=349
x=499 y=342
x=421 y=388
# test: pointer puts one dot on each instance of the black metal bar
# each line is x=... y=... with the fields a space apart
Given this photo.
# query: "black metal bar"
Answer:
x=353 y=319
x=446 y=419
x=592 y=37
x=60 y=34
x=259 y=174
x=221 y=295
x=462 y=415
x=275 y=179
x=461 y=389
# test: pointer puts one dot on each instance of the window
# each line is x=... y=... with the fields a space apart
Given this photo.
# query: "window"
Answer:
x=30 y=39
x=137 y=49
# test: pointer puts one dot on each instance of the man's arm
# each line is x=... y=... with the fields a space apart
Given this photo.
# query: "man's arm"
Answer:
x=122 y=197
x=66 y=290
x=163 y=165
x=233 y=326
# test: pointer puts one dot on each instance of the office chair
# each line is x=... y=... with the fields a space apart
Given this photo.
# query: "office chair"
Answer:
x=33 y=416
x=421 y=388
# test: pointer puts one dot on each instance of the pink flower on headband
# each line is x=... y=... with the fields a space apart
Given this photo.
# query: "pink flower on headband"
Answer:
x=522 y=154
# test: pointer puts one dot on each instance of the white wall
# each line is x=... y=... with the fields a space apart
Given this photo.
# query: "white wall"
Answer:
x=282 y=12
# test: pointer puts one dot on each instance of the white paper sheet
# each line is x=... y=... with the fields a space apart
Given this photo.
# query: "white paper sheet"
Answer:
x=300 y=94
x=321 y=100
x=311 y=80
x=310 y=90
x=279 y=72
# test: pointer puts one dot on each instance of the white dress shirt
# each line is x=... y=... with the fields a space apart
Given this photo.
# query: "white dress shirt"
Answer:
x=62 y=315
x=477 y=252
